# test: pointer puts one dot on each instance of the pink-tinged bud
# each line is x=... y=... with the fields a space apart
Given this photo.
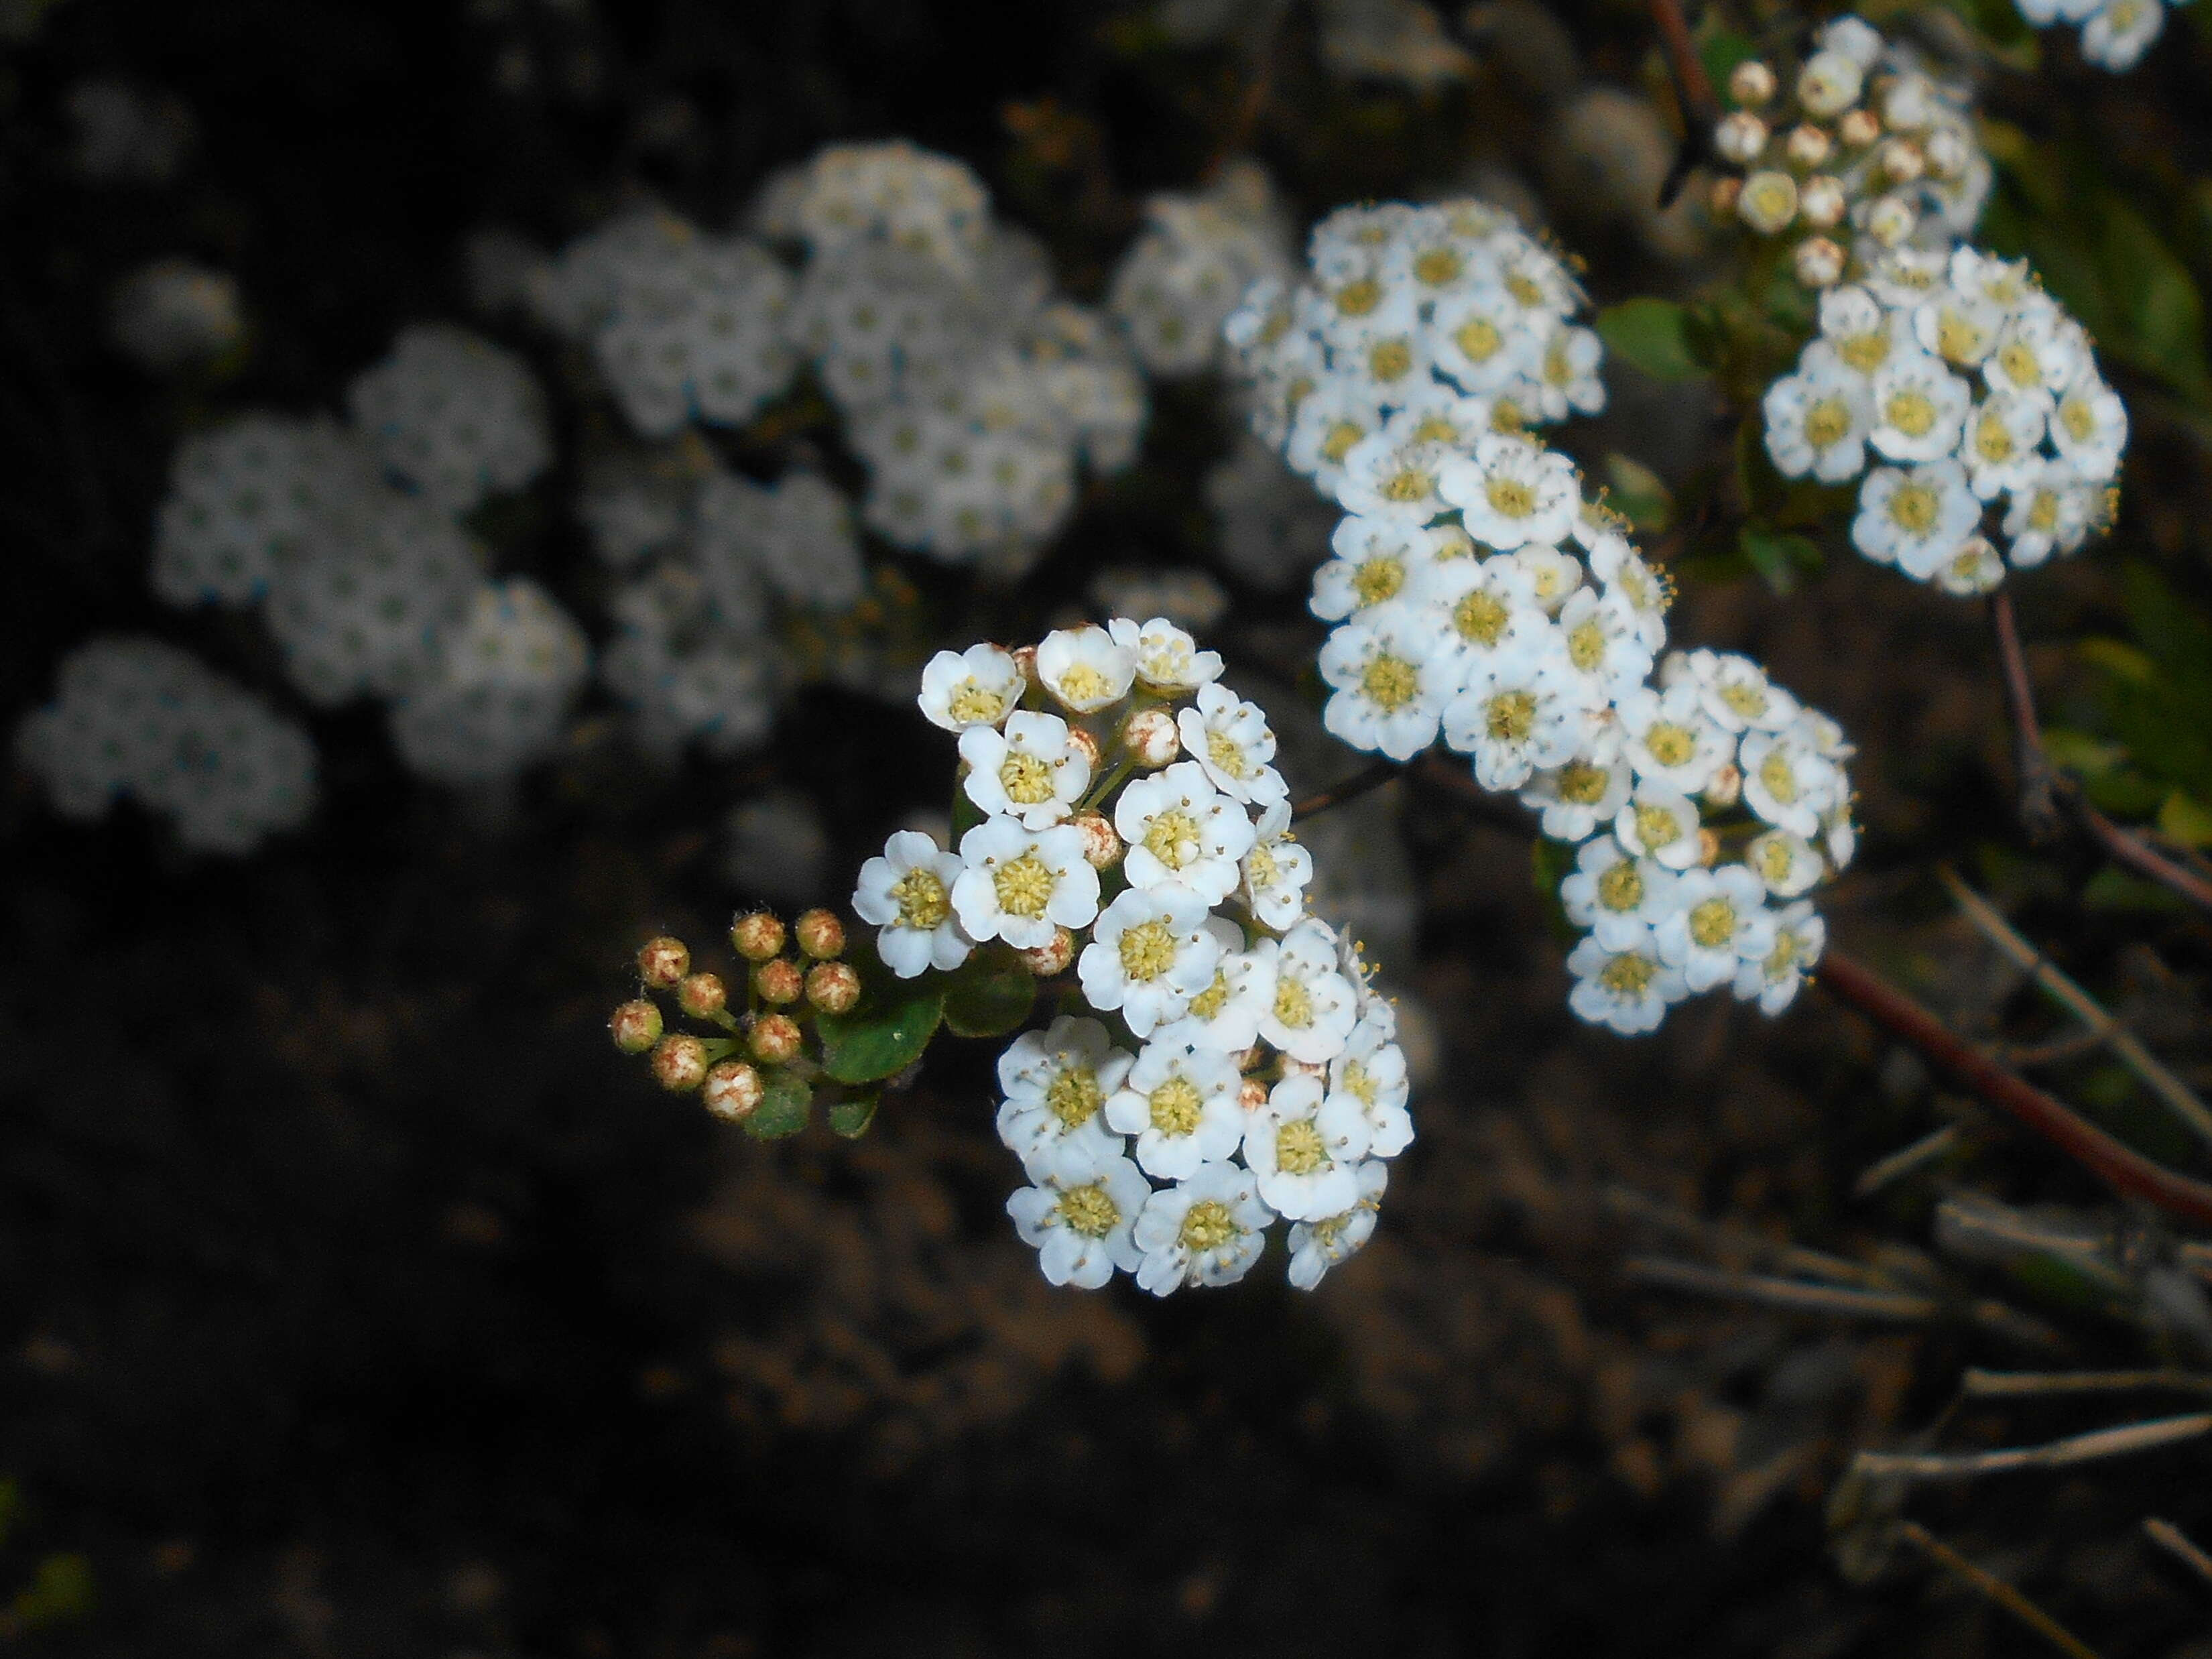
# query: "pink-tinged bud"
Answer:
x=1751 y=83
x=1251 y=1094
x=1808 y=146
x=663 y=962
x=758 y=936
x=1052 y=956
x=635 y=1026
x=780 y=981
x=833 y=987
x=1087 y=746
x=733 y=1091
x=1741 y=137
x=1902 y=161
x=774 y=1039
x=1727 y=190
x=1151 y=737
x=1819 y=262
x=1726 y=788
x=820 y=934
x=702 y=996
x=1024 y=657
x=1304 y=1068
x=679 y=1063
x=1101 y=842
x=1822 y=201
x=1859 y=128
x=1709 y=847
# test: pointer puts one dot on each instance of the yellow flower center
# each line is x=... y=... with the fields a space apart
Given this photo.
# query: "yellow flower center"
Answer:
x=1582 y=784
x=1089 y=1211
x=1586 y=645
x=1358 y=298
x=1227 y=756
x=1782 y=958
x=1148 y=950
x=1865 y=352
x=1214 y=998
x=1620 y=889
x=1712 y=924
x=1074 y=1098
x=1655 y=827
x=2043 y=511
x=1775 y=861
x=1479 y=338
x=1024 y=886
x=1524 y=290
x=1390 y=360
x=974 y=703
x=2078 y=418
x=1389 y=682
x=1172 y=838
x=1509 y=716
x=1828 y=422
x=1436 y=429
x=1438 y=266
x=1481 y=618
x=1026 y=779
x=1670 y=743
x=1912 y=412
x=1082 y=683
x=920 y=899
x=1293 y=1003
x=1511 y=498
x=1377 y=580
x=1915 y=508
x=2018 y=363
x=1340 y=439
x=1993 y=438
x=1356 y=1080
x=1299 y=1149
x=1175 y=1106
x=1261 y=868
x=1410 y=484
x=1779 y=777
x=1959 y=338
x=1506 y=417
x=1628 y=975
x=1746 y=697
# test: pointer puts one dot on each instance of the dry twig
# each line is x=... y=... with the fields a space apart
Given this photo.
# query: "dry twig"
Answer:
x=1993 y=1385
x=1987 y=1583
x=2054 y=1455
x=2168 y=1536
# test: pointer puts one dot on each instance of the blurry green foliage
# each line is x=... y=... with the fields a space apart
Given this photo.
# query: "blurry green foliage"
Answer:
x=1639 y=494
x=2153 y=701
x=60 y=1592
x=1654 y=335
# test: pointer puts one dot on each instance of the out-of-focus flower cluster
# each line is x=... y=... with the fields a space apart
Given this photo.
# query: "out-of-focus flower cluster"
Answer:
x=1971 y=402
x=136 y=717
x=2115 y=33
x=1197 y=258
x=1862 y=151
x=1418 y=325
x=1127 y=822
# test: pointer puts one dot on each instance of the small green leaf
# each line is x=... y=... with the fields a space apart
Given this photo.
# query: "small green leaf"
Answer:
x=2160 y=315
x=1550 y=863
x=783 y=1108
x=1722 y=50
x=851 y=1118
x=1640 y=493
x=2186 y=819
x=1778 y=558
x=1652 y=334
x=989 y=996
x=60 y=1590
x=889 y=1028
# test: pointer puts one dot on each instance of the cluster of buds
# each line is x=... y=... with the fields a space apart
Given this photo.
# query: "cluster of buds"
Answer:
x=1863 y=152
x=792 y=976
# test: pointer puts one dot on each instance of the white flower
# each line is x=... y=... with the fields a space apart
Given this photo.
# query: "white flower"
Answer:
x=1231 y=740
x=1329 y=422
x=1391 y=685
x=1568 y=376
x=1799 y=937
x=1628 y=988
x=1167 y=658
x=1183 y=832
x=1919 y=408
x=2090 y=428
x=1377 y=560
x=2003 y=439
x=906 y=893
x=1181 y=1102
x=2040 y=349
x=1603 y=641
x=1670 y=739
x=1149 y=955
x=1553 y=577
x=1646 y=592
x=1394 y=480
x=1513 y=492
x=1019 y=883
x=1817 y=420
x=1305 y=1145
x=1314 y=1006
x=1784 y=861
x=2050 y=512
x=1522 y=710
x=1484 y=341
x=1317 y=1246
x=1852 y=38
x=1276 y=870
x=2119 y=32
x=1716 y=919
x=980 y=686
x=1371 y=1071
x=1915 y=518
x=1084 y=667
x=1032 y=771
x=1079 y=1215
x=1207 y=1230
x=1616 y=895
x=1974 y=569
x=1858 y=338
x=1575 y=798
x=1830 y=82
x=1787 y=783
x=1660 y=822
x=1484 y=606
x=1224 y=1017
x=1904 y=276
x=1056 y=1083
x=1959 y=324
x=1736 y=692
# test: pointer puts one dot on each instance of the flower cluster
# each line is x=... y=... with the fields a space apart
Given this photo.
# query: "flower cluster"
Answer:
x=1198 y=256
x=1126 y=822
x=1863 y=151
x=1418 y=326
x=1971 y=403
x=452 y=416
x=136 y=717
x=1479 y=597
x=2115 y=33
x=504 y=678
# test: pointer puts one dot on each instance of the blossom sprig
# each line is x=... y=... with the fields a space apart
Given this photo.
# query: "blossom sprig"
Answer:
x=1859 y=151
x=1219 y=1060
x=762 y=1067
x=1415 y=325
x=1480 y=600
x=2115 y=33
x=1970 y=406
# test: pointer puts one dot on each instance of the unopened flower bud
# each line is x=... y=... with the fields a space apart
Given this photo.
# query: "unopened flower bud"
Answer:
x=1751 y=83
x=1859 y=129
x=757 y=936
x=663 y=962
x=1948 y=152
x=1808 y=146
x=1025 y=660
x=1151 y=737
x=1251 y=1094
x=1821 y=201
x=635 y=1026
x=1087 y=746
x=1902 y=161
x=780 y=981
x=1728 y=189
x=1305 y=1068
x=1829 y=84
x=1052 y=956
x=702 y=996
x=833 y=987
x=733 y=1091
x=1102 y=844
x=1726 y=788
x=679 y=1063
x=820 y=934
x=1819 y=262
x=1890 y=220
x=1769 y=202
x=1709 y=847
x=1741 y=137
x=774 y=1039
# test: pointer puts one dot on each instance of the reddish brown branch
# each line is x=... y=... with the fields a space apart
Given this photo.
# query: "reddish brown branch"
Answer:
x=2135 y=853
x=1364 y=781
x=1693 y=93
x=2120 y=1167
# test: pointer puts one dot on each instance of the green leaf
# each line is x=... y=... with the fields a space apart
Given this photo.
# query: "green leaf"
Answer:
x=1721 y=50
x=60 y=1590
x=783 y=1108
x=988 y=996
x=1550 y=863
x=1640 y=493
x=886 y=1031
x=1778 y=558
x=1652 y=334
x=2161 y=317
x=2186 y=819
x=851 y=1118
